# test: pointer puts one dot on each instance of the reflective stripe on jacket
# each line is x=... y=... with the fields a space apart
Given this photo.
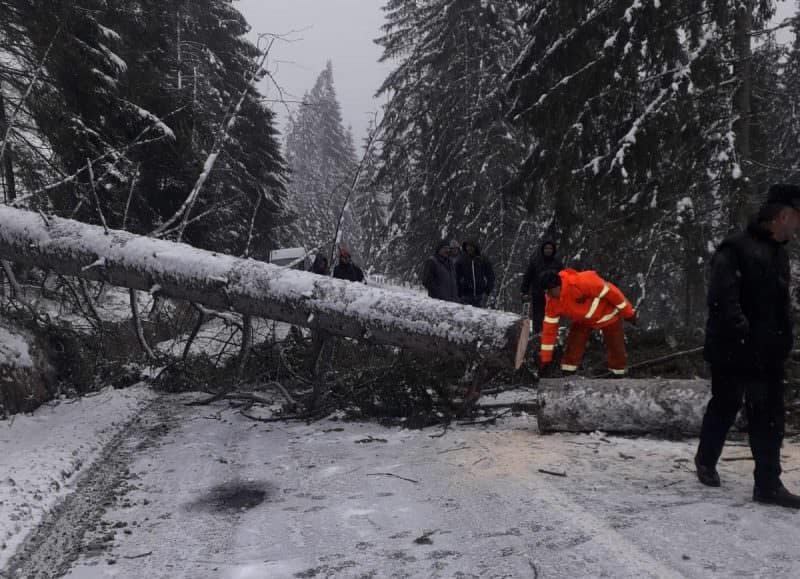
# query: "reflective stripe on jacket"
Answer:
x=586 y=299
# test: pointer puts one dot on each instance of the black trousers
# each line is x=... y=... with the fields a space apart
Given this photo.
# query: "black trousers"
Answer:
x=763 y=397
x=537 y=312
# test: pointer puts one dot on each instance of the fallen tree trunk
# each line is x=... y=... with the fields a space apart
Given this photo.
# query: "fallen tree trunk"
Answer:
x=673 y=407
x=260 y=289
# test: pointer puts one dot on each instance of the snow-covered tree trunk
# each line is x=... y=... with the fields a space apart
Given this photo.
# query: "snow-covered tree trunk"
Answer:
x=633 y=406
x=260 y=289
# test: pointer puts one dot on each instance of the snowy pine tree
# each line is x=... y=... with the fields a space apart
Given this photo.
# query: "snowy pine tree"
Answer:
x=448 y=151
x=320 y=155
x=776 y=103
x=640 y=153
x=142 y=91
x=370 y=206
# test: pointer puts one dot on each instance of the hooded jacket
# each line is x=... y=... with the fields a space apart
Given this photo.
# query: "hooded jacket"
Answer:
x=586 y=299
x=539 y=264
x=475 y=275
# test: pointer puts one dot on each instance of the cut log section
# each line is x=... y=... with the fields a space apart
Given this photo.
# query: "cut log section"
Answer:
x=674 y=407
x=260 y=289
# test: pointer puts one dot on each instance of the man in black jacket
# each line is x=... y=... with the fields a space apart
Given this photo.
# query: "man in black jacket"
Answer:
x=346 y=269
x=474 y=274
x=439 y=276
x=545 y=260
x=748 y=338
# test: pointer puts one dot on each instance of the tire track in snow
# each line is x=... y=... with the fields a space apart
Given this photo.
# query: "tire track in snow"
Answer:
x=180 y=516
x=52 y=547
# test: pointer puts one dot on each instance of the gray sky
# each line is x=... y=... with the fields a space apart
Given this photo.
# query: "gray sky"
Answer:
x=337 y=30
x=785 y=9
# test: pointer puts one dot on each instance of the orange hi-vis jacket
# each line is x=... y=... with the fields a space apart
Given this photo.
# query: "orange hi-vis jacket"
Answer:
x=587 y=299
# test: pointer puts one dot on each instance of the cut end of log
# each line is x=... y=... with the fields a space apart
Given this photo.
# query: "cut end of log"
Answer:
x=522 y=344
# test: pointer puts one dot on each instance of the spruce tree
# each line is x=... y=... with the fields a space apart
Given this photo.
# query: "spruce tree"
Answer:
x=448 y=150
x=641 y=135
x=141 y=90
x=320 y=155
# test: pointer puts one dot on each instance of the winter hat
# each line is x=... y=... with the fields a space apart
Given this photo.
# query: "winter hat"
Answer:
x=784 y=194
x=549 y=279
x=441 y=244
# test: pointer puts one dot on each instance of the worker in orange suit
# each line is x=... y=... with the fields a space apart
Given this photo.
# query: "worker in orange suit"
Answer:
x=591 y=303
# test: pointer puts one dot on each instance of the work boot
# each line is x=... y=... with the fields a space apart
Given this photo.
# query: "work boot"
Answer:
x=776 y=496
x=707 y=475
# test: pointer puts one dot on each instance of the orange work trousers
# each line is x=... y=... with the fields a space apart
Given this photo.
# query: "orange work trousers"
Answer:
x=613 y=336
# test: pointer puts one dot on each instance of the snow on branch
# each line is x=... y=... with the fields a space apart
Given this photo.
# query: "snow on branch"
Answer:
x=553 y=49
x=629 y=139
x=117 y=153
x=13 y=119
x=184 y=211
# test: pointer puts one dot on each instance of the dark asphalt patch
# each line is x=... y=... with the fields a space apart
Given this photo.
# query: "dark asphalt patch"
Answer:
x=235 y=496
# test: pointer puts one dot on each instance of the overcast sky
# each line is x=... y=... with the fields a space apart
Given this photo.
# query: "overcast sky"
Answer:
x=785 y=9
x=341 y=31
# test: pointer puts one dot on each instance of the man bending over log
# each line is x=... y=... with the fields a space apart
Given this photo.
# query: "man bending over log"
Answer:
x=591 y=303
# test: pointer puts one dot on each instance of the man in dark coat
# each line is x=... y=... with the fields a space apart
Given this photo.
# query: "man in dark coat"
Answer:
x=346 y=269
x=545 y=260
x=748 y=339
x=439 y=276
x=474 y=274
x=320 y=265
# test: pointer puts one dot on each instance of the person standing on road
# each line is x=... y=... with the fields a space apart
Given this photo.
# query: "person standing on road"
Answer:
x=748 y=339
x=346 y=269
x=439 y=276
x=474 y=274
x=545 y=260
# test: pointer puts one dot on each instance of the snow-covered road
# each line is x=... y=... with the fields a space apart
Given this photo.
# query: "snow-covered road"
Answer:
x=220 y=496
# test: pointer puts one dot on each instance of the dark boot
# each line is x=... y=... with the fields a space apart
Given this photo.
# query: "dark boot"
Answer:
x=776 y=496
x=707 y=475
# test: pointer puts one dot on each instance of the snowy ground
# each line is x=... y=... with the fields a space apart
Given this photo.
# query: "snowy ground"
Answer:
x=202 y=492
x=41 y=455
